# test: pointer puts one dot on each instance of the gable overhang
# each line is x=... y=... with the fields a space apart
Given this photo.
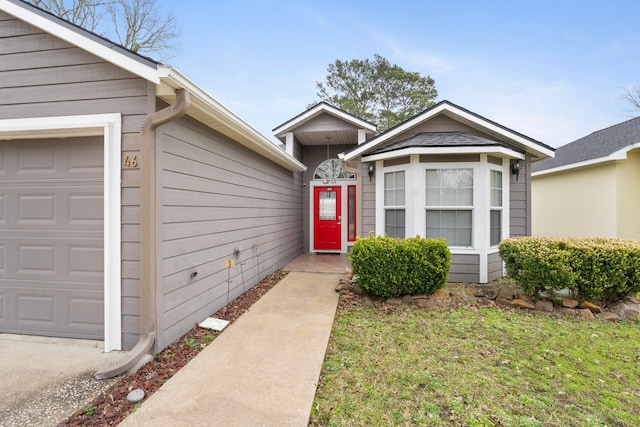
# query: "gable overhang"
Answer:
x=536 y=149
x=497 y=151
x=218 y=117
x=134 y=64
x=167 y=80
x=615 y=156
x=319 y=109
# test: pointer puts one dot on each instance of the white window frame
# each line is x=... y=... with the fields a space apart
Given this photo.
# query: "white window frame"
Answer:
x=500 y=208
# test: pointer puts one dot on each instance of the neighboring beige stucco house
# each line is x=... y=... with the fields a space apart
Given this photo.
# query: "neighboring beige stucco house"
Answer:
x=592 y=186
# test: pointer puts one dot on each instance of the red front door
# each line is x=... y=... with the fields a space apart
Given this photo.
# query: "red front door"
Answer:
x=327 y=219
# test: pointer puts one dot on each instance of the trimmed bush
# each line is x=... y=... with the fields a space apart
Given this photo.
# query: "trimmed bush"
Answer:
x=388 y=267
x=593 y=268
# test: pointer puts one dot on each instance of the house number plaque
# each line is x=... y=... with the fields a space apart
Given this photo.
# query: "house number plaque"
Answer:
x=130 y=162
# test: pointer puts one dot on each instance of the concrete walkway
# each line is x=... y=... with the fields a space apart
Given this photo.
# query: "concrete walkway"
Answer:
x=262 y=370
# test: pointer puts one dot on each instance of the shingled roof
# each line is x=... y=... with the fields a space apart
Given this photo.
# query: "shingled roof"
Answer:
x=440 y=139
x=598 y=145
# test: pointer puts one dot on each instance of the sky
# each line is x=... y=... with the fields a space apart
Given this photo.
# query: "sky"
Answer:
x=552 y=70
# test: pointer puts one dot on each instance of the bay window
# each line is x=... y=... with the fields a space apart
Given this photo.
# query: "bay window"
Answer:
x=449 y=205
x=394 y=204
x=495 y=214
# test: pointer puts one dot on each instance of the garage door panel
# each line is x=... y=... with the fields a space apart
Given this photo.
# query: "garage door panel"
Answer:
x=51 y=237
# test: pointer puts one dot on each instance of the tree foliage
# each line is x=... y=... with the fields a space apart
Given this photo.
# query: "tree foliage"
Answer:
x=138 y=25
x=377 y=90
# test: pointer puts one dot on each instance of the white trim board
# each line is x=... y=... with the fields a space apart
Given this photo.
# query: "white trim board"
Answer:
x=110 y=126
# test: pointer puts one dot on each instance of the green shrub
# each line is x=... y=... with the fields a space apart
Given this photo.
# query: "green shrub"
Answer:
x=594 y=268
x=388 y=267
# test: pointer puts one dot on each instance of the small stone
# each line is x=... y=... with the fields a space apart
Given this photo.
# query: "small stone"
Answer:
x=348 y=273
x=565 y=310
x=424 y=303
x=440 y=293
x=342 y=286
x=491 y=294
x=135 y=396
x=585 y=314
x=632 y=315
x=407 y=299
x=569 y=303
x=611 y=317
x=544 y=305
x=520 y=303
x=506 y=293
x=394 y=301
x=590 y=306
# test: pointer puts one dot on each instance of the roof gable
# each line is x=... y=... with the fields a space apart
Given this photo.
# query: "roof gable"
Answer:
x=318 y=110
x=439 y=139
x=602 y=145
x=452 y=111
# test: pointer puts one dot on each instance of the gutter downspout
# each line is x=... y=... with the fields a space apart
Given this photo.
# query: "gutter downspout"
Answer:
x=148 y=244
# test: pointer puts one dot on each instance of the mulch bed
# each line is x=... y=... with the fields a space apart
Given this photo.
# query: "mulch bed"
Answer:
x=112 y=407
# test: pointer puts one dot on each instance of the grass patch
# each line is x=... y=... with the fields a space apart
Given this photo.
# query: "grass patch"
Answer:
x=477 y=368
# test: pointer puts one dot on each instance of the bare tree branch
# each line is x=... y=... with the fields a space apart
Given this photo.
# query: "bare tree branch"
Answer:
x=632 y=96
x=139 y=26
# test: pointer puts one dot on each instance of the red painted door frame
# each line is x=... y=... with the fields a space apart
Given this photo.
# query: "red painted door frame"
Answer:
x=327 y=218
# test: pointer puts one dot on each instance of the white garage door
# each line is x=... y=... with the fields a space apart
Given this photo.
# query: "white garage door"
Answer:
x=51 y=237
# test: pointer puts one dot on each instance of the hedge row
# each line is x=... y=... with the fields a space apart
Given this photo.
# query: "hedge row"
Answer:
x=594 y=268
x=388 y=267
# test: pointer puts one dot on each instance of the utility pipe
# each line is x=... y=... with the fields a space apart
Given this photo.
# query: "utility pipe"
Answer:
x=148 y=241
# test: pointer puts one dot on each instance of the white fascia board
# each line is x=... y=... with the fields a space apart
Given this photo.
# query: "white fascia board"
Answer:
x=616 y=155
x=84 y=43
x=535 y=149
x=316 y=111
x=213 y=109
x=499 y=151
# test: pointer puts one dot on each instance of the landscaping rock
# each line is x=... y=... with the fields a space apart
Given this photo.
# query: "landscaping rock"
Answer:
x=569 y=311
x=611 y=317
x=394 y=301
x=632 y=315
x=585 y=314
x=507 y=293
x=440 y=293
x=520 y=303
x=569 y=303
x=136 y=395
x=342 y=286
x=424 y=303
x=634 y=299
x=348 y=273
x=590 y=306
x=544 y=305
x=407 y=299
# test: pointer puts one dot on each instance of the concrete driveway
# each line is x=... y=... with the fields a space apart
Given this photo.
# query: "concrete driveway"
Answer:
x=44 y=380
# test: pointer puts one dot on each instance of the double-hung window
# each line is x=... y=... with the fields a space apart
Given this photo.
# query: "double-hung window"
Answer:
x=449 y=205
x=394 y=204
x=495 y=213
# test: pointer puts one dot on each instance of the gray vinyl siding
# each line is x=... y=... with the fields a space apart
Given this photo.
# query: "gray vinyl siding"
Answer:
x=368 y=208
x=464 y=268
x=494 y=267
x=216 y=196
x=43 y=76
x=520 y=201
x=313 y=155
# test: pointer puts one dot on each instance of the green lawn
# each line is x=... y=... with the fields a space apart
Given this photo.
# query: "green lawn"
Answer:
x=477 y=368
